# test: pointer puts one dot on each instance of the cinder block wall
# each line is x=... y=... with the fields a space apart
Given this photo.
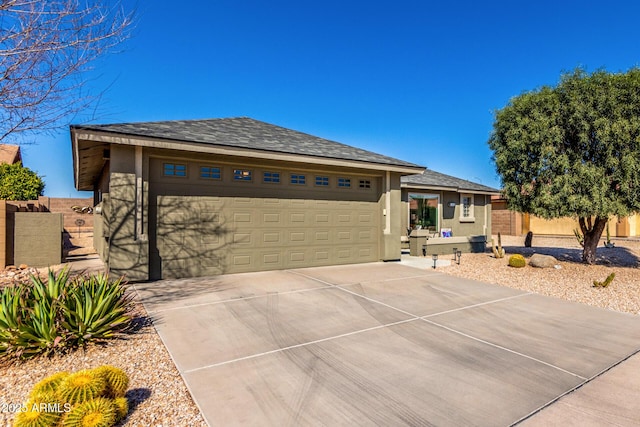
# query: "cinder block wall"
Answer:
x=64 y=205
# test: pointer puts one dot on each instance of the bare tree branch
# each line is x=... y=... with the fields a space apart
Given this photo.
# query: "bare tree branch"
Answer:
x=45 y=49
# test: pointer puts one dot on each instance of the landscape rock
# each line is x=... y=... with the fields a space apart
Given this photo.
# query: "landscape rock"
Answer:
x=542 y=261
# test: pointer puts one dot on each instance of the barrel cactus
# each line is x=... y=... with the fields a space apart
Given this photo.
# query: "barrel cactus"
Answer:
x=517 y=261
x=50 y=383
x=82 y=386
x=35 y=416
x=99 y=412
x=87 y=398
x=121 y=405
x=116 y=379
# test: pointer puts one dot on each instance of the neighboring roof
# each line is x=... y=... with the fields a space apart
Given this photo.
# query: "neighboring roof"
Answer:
x=10 y=154
x=244 y=132
x=435 y=180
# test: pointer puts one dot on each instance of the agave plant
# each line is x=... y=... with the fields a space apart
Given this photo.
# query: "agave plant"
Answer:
x=54 y=287
x=11 y=315
x=39 y=331
x=97 y=308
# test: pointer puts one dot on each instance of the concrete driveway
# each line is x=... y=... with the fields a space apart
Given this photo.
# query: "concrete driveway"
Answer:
x=378 y=344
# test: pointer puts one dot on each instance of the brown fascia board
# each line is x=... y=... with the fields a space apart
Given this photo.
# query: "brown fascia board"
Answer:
x=78 y=133
x=453 y=189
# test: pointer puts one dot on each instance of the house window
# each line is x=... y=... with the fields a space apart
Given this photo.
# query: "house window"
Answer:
x=466 y=208
x=210 y=172
x=344 y=182
x=322 y=181
x=298 y=179
x=271 y=177
x=424 y=212
x=174 y=169
x=242 y=175
x=365 y=183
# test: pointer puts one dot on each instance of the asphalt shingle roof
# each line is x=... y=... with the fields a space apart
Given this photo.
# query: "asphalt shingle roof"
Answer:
x=244 y=132
x=436 y=179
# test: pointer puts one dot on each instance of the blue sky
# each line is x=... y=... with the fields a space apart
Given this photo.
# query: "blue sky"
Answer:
x=416 y=80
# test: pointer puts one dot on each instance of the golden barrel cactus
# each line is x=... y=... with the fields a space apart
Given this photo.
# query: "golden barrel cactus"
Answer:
x=517 y=261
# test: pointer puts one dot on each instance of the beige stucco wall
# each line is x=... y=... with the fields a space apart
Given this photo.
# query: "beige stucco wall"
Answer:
x=449 y=217
x=566 y=226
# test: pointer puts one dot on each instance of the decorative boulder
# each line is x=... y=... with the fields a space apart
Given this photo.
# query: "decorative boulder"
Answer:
x=542 y=261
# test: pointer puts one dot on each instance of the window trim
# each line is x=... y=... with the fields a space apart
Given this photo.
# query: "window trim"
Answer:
x=297 y=177
x=322 y=184
x=271 y=173
x=344 y=180
x=364 y=184
x=241 y=170
x=421 y=195
x=164 y=170
x=471 y=217
x=210 y=178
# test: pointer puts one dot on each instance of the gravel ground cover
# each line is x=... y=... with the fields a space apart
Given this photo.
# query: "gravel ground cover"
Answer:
x=159 y=397
x=573 y=281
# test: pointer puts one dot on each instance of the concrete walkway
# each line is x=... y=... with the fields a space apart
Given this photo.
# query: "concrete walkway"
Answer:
x=390 y=344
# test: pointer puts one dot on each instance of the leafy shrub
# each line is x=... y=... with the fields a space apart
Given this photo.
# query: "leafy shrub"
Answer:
x=59 y=313
x=19 y=183
x=78 y=399
x=606 y=282
x=517 y=261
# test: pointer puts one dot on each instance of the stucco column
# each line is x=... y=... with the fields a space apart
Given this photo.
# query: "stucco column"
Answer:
x=391 y=249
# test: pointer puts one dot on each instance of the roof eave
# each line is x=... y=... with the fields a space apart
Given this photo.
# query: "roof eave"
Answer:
x=79 y=133
x=415 y=186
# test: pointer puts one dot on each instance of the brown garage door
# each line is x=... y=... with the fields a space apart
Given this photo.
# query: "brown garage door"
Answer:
x=203 y=235
x=199 y=235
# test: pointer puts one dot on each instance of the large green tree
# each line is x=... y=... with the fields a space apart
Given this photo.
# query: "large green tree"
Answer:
x=19 y=183
x=573 y=150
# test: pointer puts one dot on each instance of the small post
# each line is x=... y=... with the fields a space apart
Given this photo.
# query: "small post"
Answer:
x=435 y=260
x=455 y=251
x=459 y=255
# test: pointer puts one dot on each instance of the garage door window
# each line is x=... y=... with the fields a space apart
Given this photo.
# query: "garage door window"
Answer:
x=174 y=169
x=242 y=175
x=271 y=177
x=322 y=181
x=210 y=172
x=344 y=182
x=365 y=183
x=298 y=179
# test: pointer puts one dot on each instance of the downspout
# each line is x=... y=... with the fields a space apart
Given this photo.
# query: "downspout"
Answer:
x=139 y=209
x=387 y=204
x=485 y=217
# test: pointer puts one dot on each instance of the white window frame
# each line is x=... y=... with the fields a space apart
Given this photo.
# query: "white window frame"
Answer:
x=470 y=217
